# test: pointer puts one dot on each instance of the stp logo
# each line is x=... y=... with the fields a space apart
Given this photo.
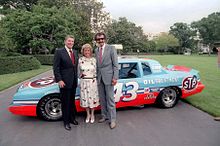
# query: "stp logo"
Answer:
x=42 y=82
x=190 y=83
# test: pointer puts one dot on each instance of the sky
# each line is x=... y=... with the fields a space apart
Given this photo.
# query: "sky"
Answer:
x=157 y=16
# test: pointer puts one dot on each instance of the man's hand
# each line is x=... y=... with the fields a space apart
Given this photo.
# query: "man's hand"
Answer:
x=114 y=82
x=61 y=84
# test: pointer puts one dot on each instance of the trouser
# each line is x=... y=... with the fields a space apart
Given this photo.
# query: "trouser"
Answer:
x=107 y=101
x=67 y=97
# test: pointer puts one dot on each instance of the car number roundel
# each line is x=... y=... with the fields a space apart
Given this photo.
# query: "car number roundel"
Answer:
x=42 y=82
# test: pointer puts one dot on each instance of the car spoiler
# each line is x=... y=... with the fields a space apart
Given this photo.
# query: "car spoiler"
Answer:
x=181 y=68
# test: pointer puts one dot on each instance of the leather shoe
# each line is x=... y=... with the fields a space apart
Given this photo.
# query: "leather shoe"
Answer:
x=67 y=127
x=102 y=120
x=112 y=125
x=74 y=122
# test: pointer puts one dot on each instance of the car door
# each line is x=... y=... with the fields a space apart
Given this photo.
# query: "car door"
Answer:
x=148 y=85
x=127 y=88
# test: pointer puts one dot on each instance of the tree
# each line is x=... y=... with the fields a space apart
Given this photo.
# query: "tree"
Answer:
x=165 y=41
x=128 y=34
x=42 y=29
x=92 y=10
x=151 y=46
x=184 y=34
x=209 y=28
x=18 y=4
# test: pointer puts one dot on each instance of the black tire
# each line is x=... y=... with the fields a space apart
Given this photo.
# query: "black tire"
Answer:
x=168 y=98
x=49 y=108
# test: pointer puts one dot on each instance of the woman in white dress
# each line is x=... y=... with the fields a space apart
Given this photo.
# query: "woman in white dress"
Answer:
x=88 y=85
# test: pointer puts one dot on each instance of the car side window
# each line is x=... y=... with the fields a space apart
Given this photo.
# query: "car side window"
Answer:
x=128 y=70
x=146 y=69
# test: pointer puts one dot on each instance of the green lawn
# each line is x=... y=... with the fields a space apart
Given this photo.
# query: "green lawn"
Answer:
x=8 y=80
x=209 y=99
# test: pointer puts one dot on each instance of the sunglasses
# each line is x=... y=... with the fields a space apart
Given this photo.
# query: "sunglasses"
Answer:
x=98 y=39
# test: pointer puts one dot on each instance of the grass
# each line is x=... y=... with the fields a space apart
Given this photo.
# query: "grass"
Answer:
x=8 y=80
x=209 y=99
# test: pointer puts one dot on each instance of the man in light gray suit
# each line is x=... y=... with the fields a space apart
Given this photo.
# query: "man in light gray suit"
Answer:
x=107 y=75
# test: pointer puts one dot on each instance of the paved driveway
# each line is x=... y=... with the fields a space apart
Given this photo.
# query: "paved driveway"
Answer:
x=183 y=125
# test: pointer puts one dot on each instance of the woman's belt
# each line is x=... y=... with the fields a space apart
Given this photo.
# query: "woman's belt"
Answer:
x=88 y=77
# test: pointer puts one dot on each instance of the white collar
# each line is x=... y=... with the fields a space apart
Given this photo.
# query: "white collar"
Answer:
x=103 y=47
x=68 y=50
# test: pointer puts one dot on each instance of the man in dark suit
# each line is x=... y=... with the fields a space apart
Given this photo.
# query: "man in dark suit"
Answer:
x=65 y=72
x=107 y=75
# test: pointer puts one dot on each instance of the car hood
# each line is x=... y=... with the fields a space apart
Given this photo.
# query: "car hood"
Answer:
x=37 y=89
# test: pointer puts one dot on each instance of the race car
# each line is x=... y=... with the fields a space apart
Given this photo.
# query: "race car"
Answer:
x=141 y=81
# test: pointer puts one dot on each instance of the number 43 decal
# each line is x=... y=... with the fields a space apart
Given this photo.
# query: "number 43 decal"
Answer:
x=130 y=89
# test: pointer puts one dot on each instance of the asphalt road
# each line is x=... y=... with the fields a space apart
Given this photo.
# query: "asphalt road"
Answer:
x=182 y=125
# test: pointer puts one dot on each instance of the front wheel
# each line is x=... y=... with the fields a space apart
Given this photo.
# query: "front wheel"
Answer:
x=49 y=108
x=167 y=98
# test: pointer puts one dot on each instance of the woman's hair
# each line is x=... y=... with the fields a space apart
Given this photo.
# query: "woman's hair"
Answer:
x=86 y=46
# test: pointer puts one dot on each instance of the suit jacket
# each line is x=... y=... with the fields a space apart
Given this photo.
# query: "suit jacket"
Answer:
x=108 y=68
x=64 y=69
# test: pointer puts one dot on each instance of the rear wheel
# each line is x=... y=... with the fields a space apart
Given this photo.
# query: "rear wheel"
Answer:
x=49 y=108
x=168 y=98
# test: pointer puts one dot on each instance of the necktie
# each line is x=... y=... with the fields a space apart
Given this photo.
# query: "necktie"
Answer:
x=72 y=56
x=100 y=55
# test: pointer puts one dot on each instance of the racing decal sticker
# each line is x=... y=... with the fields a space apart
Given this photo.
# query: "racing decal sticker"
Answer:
x=149 y=96
x=130 y=92
x=42 y=82
x=190 y=83
x=161 y=81
x=25 y=102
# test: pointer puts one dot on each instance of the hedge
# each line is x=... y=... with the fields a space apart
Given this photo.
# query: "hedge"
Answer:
x=45 y=59
x=18 y=64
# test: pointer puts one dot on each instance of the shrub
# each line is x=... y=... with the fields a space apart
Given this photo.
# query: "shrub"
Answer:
x=6 y=54
x=12 y=54
x=45 y=59
x=18 y=64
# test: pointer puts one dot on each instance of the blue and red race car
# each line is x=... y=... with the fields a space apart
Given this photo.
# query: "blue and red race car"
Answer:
x=141 y=81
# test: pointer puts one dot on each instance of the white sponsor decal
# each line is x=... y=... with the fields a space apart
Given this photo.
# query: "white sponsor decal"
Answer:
x=149 y=96
x=25 y=102
x=160 y=81
x=130 y=89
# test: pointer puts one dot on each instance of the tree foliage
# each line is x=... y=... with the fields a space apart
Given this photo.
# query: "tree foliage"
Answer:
x=209 y=28
x=128 y=34
x=165 y=41
x=42 y=29
x=92 y=10
x=40 y=24
x=184 y=34
x=18 y=4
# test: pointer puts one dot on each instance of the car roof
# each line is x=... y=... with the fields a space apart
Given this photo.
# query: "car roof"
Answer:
x=135 y=59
